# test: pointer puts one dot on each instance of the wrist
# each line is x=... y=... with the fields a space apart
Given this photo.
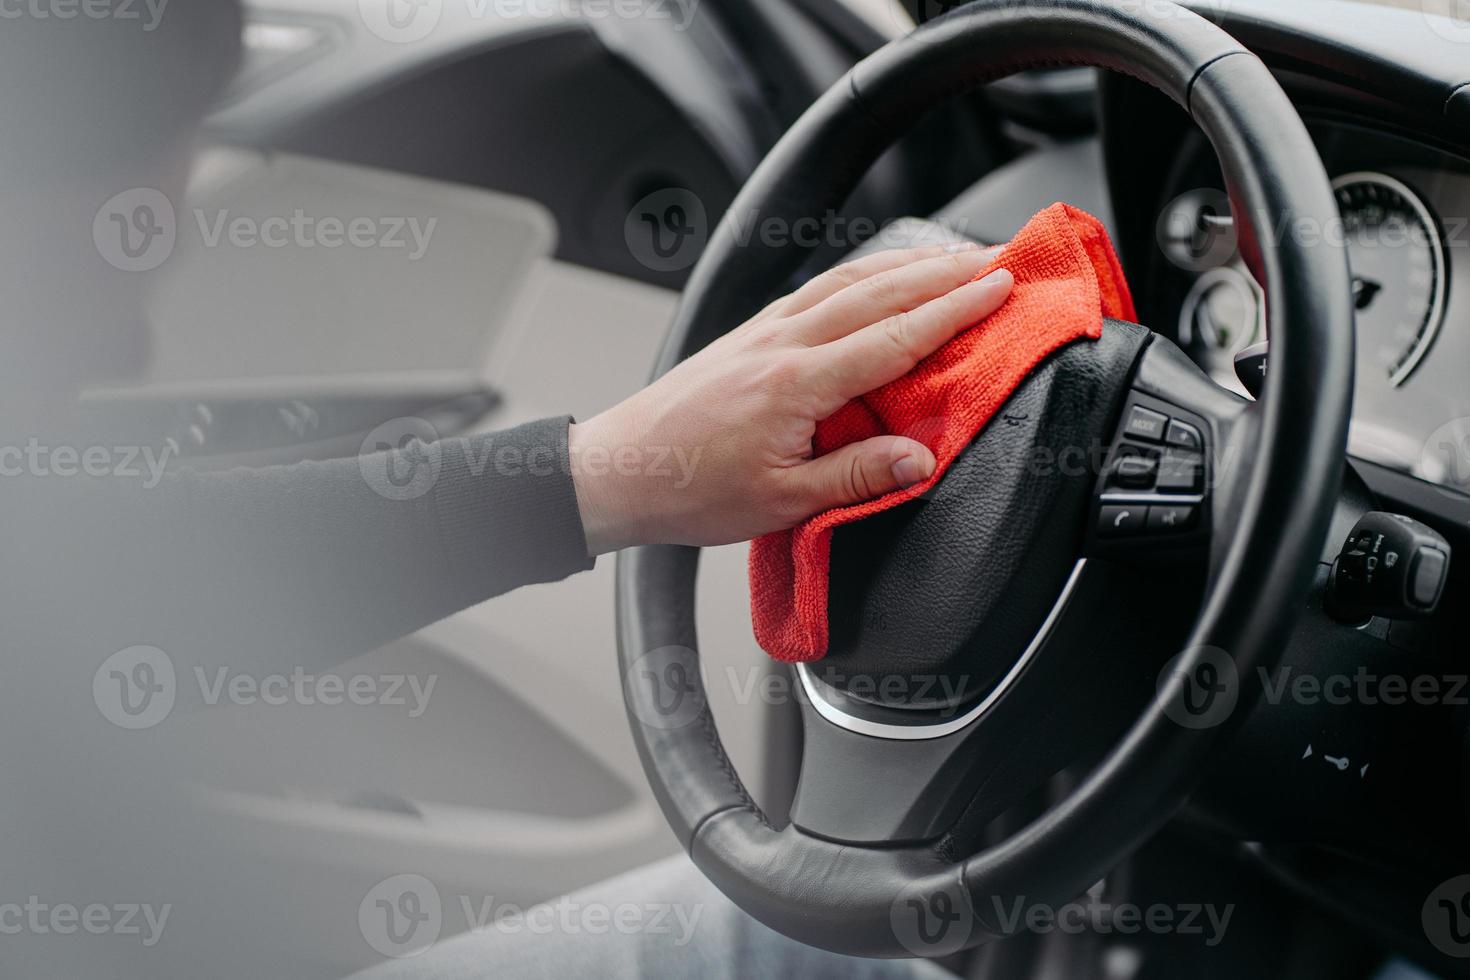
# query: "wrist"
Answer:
x=606 y=508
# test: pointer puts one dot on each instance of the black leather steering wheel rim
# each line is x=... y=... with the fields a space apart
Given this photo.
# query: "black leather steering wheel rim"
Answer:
x=840 y=896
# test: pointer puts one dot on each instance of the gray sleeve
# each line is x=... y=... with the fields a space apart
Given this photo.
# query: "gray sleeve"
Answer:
x=315 y=561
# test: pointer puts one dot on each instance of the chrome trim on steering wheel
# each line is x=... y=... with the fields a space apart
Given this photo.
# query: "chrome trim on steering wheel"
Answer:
x=917 y=732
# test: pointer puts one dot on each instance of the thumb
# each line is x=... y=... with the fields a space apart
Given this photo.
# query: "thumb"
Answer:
x=864 y=470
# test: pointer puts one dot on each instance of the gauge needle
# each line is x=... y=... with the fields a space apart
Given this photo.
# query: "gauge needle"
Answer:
x=1363 y=291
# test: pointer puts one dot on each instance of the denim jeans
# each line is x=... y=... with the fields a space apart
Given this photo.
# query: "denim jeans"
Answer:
x=661 y=921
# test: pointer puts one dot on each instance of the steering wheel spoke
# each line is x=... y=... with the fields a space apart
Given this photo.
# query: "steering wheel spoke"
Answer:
x=946 y=774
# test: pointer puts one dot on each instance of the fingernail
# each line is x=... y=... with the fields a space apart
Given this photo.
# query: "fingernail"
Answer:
x=962 y=247
x=908 y=470
x=998 y=277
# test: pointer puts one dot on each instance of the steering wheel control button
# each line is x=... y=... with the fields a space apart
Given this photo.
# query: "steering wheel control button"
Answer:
x=1181 y=473
x=1135 y=471
x=1144 y=423
x=1391 y=566
x=1116 y=520
x=1184 y=436
x=1165 y=518
x=1152 y=500
x=1250 y=368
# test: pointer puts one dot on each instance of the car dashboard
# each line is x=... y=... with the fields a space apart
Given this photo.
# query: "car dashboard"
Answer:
x=1385 y=94
x=1402 y=220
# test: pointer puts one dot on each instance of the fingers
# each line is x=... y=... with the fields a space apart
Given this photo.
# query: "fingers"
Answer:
x=891 y=348
x=840 y=277
x=884 y=294
x=862 y=471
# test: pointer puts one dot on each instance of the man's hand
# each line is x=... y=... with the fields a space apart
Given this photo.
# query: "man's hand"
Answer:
x=720 y=449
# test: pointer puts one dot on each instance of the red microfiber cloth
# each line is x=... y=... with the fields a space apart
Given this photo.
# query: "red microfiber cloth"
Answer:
x=1067 y=280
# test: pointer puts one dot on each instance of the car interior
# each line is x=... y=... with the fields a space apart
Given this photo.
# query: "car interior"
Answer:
x=1281 y=515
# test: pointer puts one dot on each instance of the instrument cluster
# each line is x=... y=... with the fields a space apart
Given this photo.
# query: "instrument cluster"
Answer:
x=1404 y=227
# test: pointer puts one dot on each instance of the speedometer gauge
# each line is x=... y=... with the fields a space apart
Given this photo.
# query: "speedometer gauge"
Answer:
x=1399 y=266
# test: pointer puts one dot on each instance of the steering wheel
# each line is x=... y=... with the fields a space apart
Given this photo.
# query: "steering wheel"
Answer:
x=1039 y=592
